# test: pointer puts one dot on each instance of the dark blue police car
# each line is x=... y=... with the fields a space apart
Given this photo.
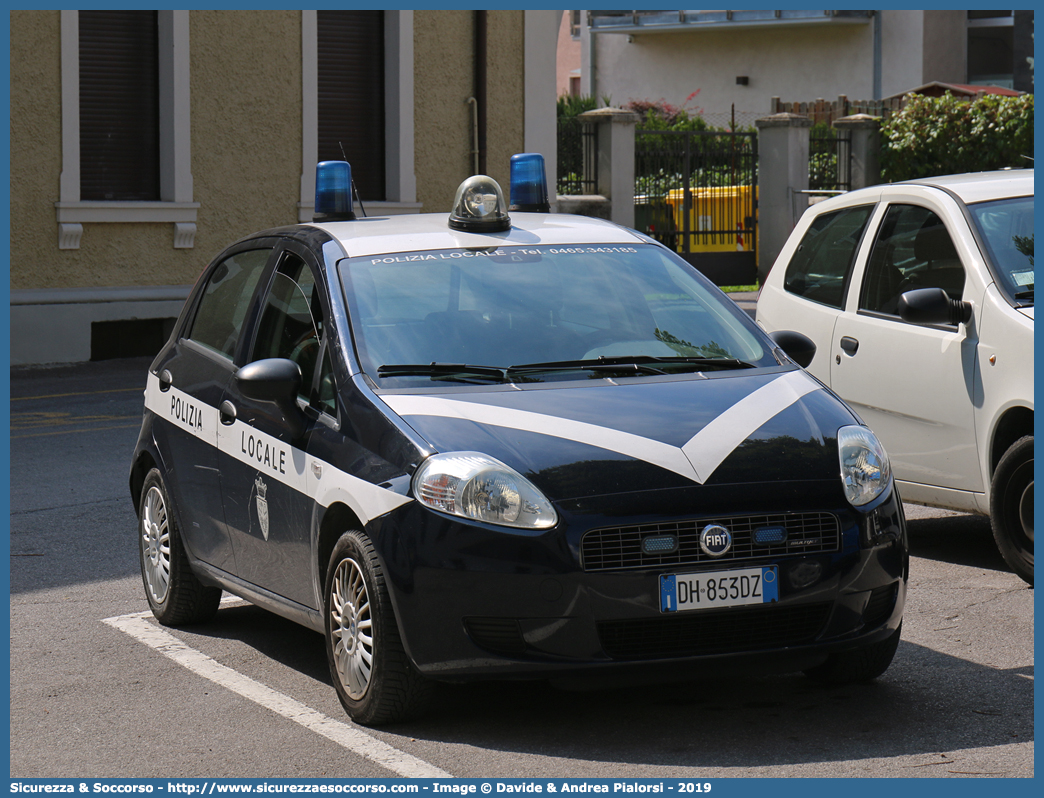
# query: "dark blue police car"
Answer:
x=507 y=444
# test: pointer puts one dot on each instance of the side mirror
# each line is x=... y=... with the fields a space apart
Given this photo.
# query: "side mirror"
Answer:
x=275 y=380
x=933 y=306
x=795 y=345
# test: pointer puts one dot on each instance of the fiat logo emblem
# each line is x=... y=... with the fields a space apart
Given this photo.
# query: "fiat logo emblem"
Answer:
x=715 y=540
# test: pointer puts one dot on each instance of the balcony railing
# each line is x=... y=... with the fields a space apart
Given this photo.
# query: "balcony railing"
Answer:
x=632 y=22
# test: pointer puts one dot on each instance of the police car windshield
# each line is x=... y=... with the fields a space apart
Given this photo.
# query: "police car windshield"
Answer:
x=541 y=312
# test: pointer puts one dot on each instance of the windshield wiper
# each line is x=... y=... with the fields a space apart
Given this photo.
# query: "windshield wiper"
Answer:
x=712 y=362
x=623 y=364
x=646 y=364
x=583 y=365
x=1027 y=294
x=441 y=370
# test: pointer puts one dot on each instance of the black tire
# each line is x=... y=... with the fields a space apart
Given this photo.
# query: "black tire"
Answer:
x=858 y=664
x=175 y=595
x=374 y=678
x=1011 y=507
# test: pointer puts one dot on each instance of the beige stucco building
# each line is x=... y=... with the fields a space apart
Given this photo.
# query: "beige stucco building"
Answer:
x=238 y=108
x=737 y=61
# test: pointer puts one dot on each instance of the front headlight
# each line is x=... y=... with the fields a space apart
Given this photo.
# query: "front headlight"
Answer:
x=476 y=486
x=864 y=465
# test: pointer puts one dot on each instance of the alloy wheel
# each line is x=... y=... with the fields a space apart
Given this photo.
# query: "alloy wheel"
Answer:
x=352 y=628
x=155 y=545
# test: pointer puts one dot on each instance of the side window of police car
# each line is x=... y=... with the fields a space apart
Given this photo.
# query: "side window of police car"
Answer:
x=226 y=299
x=292 y=326
x=913 y=250
x=820 y=264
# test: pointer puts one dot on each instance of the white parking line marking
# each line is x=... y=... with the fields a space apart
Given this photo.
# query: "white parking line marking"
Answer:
x=345 y=735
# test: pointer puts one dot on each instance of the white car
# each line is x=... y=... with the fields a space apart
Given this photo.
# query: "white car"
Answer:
x=919 y=298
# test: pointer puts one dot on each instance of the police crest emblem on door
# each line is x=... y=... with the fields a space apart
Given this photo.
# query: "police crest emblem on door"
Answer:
x=262 y=505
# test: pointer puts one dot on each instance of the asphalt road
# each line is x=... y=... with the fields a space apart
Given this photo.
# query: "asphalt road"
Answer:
x=98 y=689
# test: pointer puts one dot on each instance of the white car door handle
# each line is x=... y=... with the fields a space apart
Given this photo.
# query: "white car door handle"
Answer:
x=849 y=344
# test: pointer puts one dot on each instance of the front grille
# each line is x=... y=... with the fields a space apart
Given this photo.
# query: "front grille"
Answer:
x=621 y=547
x=704 y=632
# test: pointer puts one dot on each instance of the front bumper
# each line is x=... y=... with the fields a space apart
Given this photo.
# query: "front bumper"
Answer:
x=475 y=600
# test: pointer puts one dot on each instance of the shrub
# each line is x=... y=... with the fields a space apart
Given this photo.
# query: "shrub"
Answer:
x=661 y=115
x=570 y=105
x=946 y=135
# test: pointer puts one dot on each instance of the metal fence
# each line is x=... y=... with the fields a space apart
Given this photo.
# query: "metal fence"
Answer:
x=696 y=192
x=577 y=156
x=829 y=161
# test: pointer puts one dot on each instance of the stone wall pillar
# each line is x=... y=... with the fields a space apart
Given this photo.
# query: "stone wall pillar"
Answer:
x=866 y=148
x=615 y=160
x=782 y=176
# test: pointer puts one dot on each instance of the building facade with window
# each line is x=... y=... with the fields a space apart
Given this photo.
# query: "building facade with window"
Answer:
x=738 y=61
x=143 y=142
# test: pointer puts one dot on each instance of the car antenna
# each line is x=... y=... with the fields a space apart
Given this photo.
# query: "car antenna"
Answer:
x=355 y=190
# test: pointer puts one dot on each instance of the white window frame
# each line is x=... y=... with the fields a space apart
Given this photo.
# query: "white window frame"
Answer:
x=176 y=206
x=400 y=177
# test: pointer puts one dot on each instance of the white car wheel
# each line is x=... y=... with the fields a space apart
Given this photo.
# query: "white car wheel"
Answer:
x=1011 y=508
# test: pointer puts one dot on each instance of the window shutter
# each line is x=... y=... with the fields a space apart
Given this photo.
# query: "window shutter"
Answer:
x=119 y=106
x=351 y=95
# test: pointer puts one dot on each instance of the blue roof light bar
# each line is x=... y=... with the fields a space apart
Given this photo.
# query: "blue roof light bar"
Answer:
x=333 y=192
x=528 y=183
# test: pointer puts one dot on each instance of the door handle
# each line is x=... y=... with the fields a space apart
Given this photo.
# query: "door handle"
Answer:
x=165 y=380
x=227 y=413
x=849 y=344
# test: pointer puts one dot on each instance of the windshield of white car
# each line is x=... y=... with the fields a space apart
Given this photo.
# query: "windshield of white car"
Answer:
x=1006 y=226
x=540 y=313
